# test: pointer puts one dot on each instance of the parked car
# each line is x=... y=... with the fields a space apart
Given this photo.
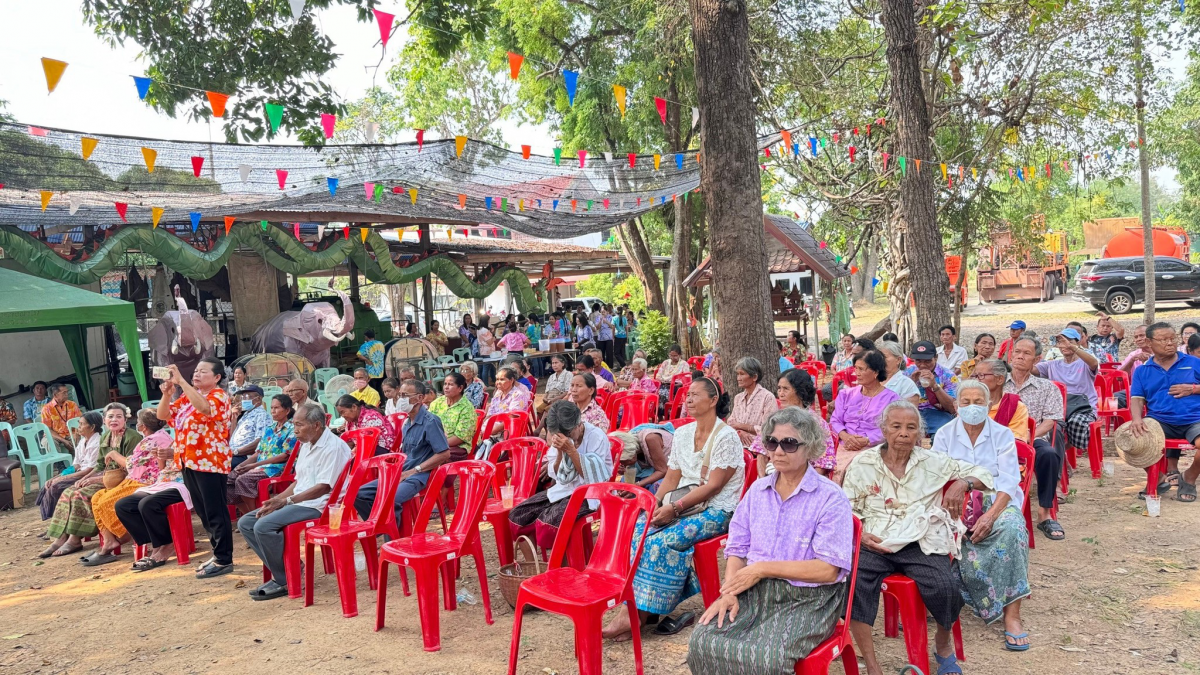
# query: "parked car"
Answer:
x=1115 y=285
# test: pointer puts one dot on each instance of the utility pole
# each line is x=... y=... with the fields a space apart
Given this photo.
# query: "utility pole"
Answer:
x=1139 y=79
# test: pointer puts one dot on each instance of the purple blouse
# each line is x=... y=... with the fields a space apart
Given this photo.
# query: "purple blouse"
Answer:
x=858 y=414
x=813 y=523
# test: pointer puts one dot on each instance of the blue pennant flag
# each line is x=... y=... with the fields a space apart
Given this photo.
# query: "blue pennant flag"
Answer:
x=195 y=216
x=572 y=80
x=143 y=86
x=679 y=161
x=333 y=183
x=662 y=200
x=812 y=144
x=796 y=149
x=1020 y=175
x=487 y=203
x=539 y=203
x=555 y=208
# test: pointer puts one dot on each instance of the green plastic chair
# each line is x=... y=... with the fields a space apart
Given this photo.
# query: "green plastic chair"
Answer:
x=73 y=427
x=328 y=402
x=36 y=453
x=462 y=354
x=149 y=404
x=447 y=359
x=270 y=392
x=322 y=375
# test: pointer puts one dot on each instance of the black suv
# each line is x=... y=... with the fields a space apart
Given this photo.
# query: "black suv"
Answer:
x=1115 y=285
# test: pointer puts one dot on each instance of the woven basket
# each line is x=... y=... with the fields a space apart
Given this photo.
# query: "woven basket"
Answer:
x=512 y=574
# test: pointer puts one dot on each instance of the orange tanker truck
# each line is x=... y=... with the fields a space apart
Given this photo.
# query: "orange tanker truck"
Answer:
x=1015 y=271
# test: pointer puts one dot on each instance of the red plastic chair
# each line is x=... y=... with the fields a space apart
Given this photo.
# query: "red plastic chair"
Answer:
x=268 y=486
x=428 y=553
x=1108 y=383
x=483 y=404
x=480 y=415
x=704 y=553
x=525 y=458
x=292 y=538
x=585 y=595
x=340 y=542
x=812 y=370
x=1110 y=366
x=839 y=644
x=616 y=447
x=846 y=377
x=397 y=421
x=696 y=363
x=635 y=409
x=611 y=402
x=514 y=425
x=676 y=404
x=819 y=365
x=1064 y=481
x=1025 y=459
x=680 y=421
x=680 y=381
x=365 y=442
x=179 y=520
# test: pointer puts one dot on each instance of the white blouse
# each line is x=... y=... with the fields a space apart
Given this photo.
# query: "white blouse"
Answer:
x=995 y=450
x=87 y=452
x=726 y=453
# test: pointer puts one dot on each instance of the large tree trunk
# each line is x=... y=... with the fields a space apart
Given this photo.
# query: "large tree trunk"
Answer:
x=899 y=290
x=681 y=265
x=730 y=182
x=923 y=240
x=633 y=246
x=1144 y=174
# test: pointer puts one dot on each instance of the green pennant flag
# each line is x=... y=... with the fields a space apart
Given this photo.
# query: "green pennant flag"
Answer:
x=589 y=206
x=557 y=156
x=903 y=167
x=264 y=225
x=824 y=142
x=379 y=193
x=685 y=197
x=504 y=204
x=274 y=115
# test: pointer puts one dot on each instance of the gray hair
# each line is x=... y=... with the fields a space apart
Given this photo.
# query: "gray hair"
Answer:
x=56 y=387
x=751 y=366
x=808 y=429
x=640 y=363
x=967 y=385
x=998 y=367
x=310 y=413
x=563 y=417
x=417 y=385
x=474 y=368
x=900 y=405
x=1032 y=339
x=892 y=348
x=299 y=383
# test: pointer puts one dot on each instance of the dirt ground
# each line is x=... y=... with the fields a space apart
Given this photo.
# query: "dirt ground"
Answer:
x=1121 y=594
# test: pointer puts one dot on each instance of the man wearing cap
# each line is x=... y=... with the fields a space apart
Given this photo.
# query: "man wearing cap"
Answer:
x=1076 y=371
x=252 y=421
x=1015 y=330
x=1045 y=405
x=937 y=386
x=1167 y=389
x=951 y=356
x=1106 y=343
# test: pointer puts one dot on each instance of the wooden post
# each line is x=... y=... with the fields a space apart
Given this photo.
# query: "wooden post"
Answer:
x=427 y=295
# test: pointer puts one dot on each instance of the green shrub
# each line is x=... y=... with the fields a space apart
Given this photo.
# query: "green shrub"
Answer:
x=654 y=336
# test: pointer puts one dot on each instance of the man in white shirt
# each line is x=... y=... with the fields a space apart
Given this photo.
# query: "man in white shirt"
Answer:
x=322 y=458
x=950 y=356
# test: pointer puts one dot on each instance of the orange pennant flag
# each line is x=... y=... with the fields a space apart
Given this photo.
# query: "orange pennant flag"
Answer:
x=46 y=195
x=918 y=165
x=525 y=151
x=156 y=213
x=619 y=92
x=89 y=144
x=657 y=159
x=228 y=224
x=514 y=64
x=460 y=142
x=787 y=137
x=217 y=101
x=462 y=201
x=362 y=233
x=150 y=155
x=54 y=72
x=412 y=194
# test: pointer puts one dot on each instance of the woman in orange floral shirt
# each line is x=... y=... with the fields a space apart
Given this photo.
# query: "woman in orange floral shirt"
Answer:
x=200 y=418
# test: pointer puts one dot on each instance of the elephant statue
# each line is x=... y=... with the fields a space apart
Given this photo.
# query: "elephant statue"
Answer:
x=181 y=337
x=309 y=332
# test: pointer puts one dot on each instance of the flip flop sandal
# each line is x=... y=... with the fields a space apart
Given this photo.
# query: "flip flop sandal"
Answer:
x=60 y=552
x=1052 y=529
x=206 y=563
x=268 y=591
x=673 y=624
x=97 y=560
x=1186 y=489
x=47 y=553
x=215 y=570
x=1010 y=642
x=147 y=564
x=947 y=665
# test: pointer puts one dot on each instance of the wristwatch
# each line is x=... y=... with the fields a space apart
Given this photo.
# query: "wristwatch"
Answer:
x=289 y=500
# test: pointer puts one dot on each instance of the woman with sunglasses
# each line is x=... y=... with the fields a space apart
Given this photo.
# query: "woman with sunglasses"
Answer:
x=707 y=456
x=796 y=388
x=781 y=597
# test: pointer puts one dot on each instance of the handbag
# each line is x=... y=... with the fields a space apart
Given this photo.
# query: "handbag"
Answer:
x=972 y=509
x=679 y=493
x=114 y=477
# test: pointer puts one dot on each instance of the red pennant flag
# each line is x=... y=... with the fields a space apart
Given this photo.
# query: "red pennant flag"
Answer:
x=296 y=229
x=836 y=137
x=606 y=203
x=514 y=64
x=855 y=132
x=767 y=151
x=197 y=164
x=397 y=190
x=632 y=160
x=660 y=104
x=1066 y=165
x=882 y=121
x=868 y=130
x=328 y=122
x=217 y=102
x=346 y=231
x=852 y=150
x=885 y=159
x=385 y=25
x=525 y=149
x=639 y=201
x=582 y=158
x=420 y=139
x=574 y=203
x=228 y=224
x=122 y=208
x=1047 y=169
x=281 y=175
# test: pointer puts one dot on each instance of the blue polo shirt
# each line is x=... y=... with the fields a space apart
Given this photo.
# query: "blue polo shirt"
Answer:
x=423 y=438
x=1152 y=382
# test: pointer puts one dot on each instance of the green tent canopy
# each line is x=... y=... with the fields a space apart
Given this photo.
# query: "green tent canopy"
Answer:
x=29 y=303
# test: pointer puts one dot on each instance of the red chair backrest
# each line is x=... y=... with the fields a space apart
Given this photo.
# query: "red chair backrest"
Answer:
x=532 y=386
x=1112 y=381
x=696 y=362
x=484 y=402
x=388 y=469
x=474 y=480
x=677 y=402
x=751 y=470
x=683 y=380
x=1110 y=366
x=1032 y=428
x=336 y=495
x=678 y=422
x=515 y=424
x=620 y=507
x=1025 y=458
x=1062 y=389
x=616 y=447
x=365 y=440
x=602 y=396
x=612 y=402
x=846 y=376
x=397 y=421
x=812 y=370
x=634 y=409
x=479 y=417
x=853 y=569
x=525 y=458
x=289 y=467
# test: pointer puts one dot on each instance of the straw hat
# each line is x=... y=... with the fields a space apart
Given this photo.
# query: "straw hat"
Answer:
x=1140 y=451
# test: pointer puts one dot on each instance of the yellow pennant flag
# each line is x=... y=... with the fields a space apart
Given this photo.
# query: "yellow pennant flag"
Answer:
x=150 y=155
x=412 y=194
x=460 y=142
x=449 y=234
x=943 y=171
x=974 y=174
x=520 y=204
x=619 y=92
x=362 y=233
x=89 y=144
x=46 y=195
x=156 y=214
x=657 y=159
x=54 y=72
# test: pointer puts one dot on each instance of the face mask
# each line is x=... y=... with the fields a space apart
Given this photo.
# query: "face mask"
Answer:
x=247 y=404
x=404 y=406
x=973 y=414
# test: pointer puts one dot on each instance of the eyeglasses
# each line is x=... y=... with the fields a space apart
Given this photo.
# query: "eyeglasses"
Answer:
x=788 y=445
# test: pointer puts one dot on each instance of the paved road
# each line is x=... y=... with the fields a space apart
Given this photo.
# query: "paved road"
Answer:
x=1059 y=305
